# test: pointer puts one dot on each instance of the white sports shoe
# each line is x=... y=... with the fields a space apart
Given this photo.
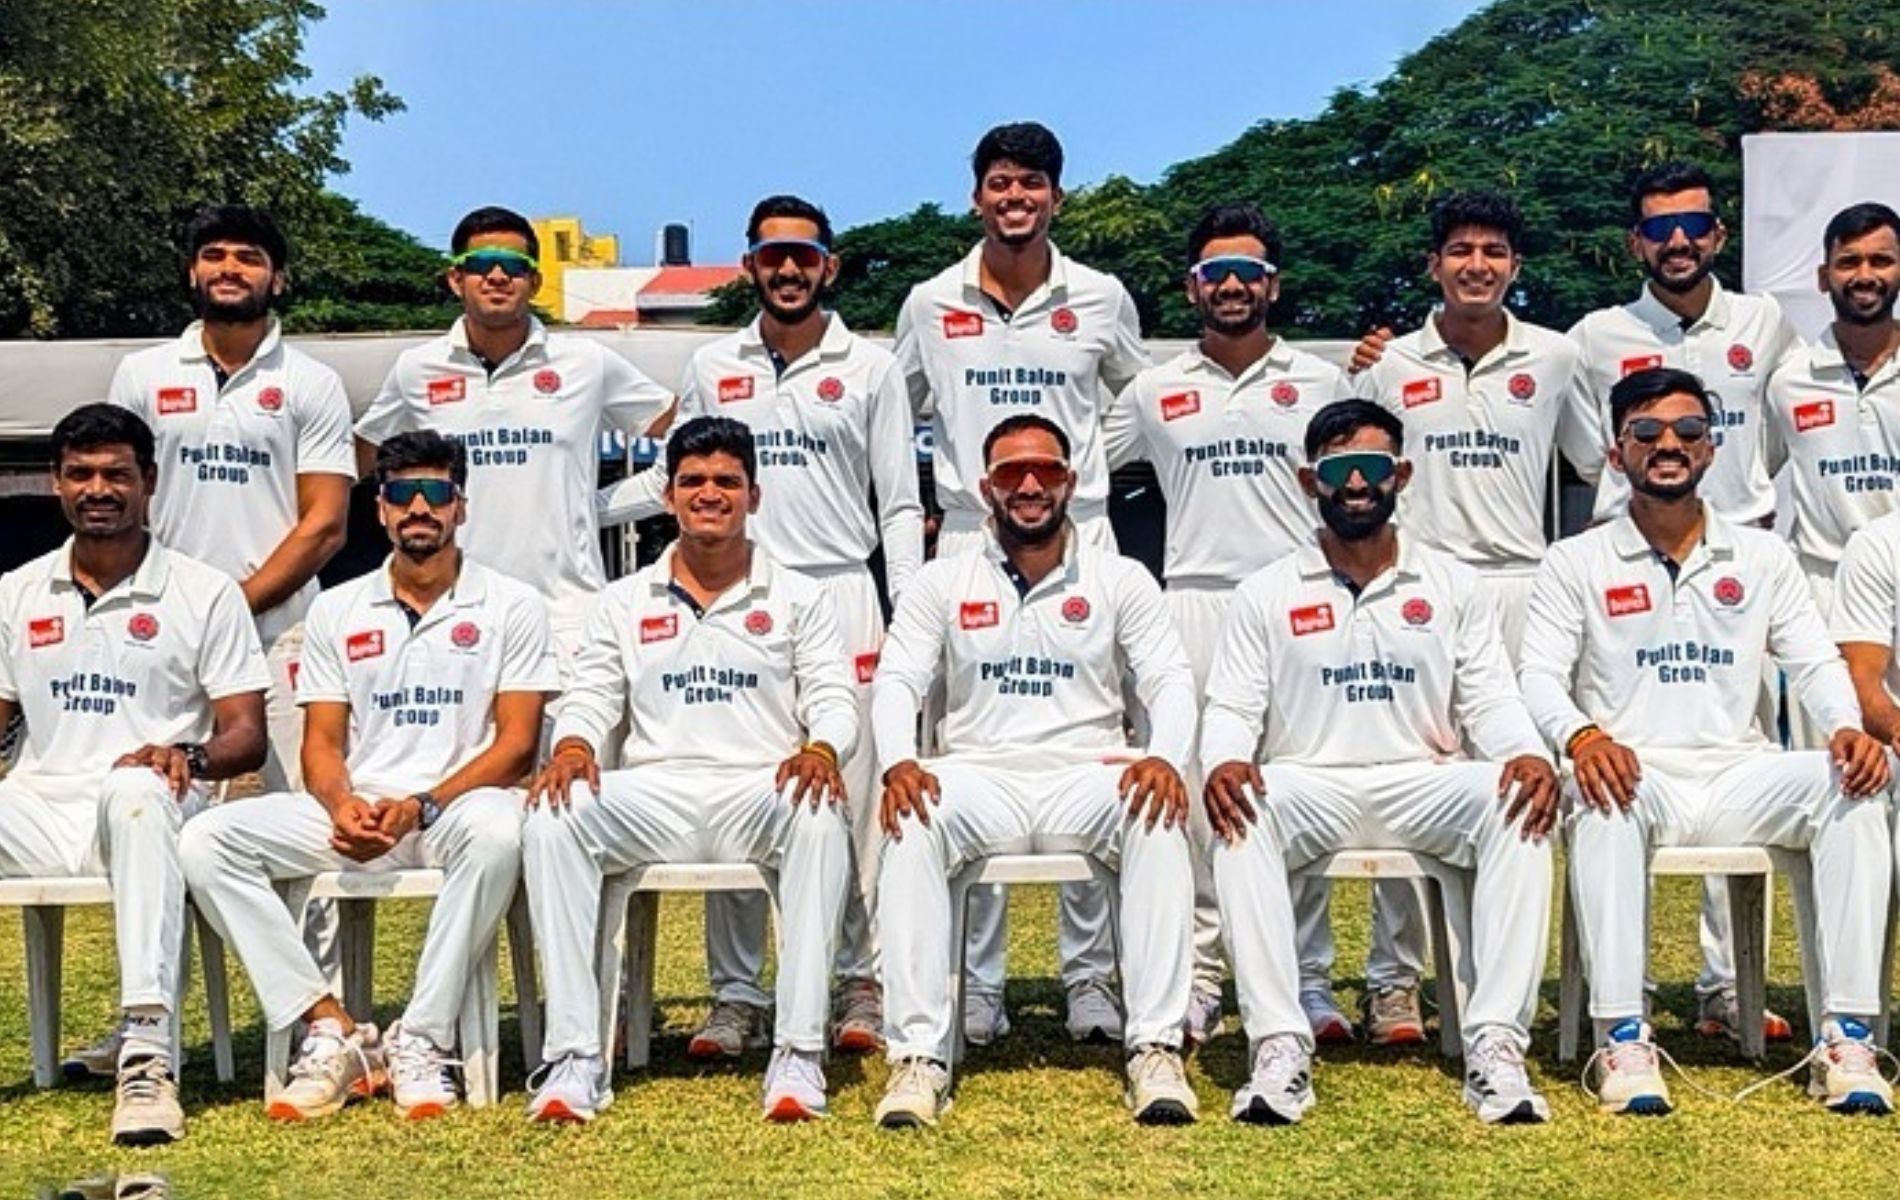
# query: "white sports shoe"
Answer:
x=1094 y=1014
x=1281 y=1088
x=100 y=1060
x=916 y=1096
x=1497 y=1087
x=574 y=1089
x=1631 y=1072
x=421 y=1076
x=984 y=1018
x=146 y=1111
x=1203 y=1017
x=1330 y=1026
x=332 y=1069
x=794 y=1086
x=1844 y=1070
x=1158 y=1091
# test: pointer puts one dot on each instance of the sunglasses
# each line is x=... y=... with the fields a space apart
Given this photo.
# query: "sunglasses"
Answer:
x=806 y=256
x=1649 y=430
x=1694 y=226
x=512 y=263
x=1373 y=466
x=436 y=493
x=1009 y=474
x=1242 y=267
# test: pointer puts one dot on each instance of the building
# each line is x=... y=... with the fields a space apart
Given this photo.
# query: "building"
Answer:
x=565 y=246
x=582 y=282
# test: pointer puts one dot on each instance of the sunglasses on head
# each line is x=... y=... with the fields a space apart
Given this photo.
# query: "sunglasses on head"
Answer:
x=1242 y=267
x=436 y=493
x=1009 y=474
x=1373 y=466
x=513 y=263
x=1694 y=226
x=1649 y=430
x=805 y=255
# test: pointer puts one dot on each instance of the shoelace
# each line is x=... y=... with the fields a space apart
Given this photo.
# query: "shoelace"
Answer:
x=143 y=1079
x=1854 y=1054
x=729 y=1018
x=549 y=1074
x=416 y=1060
x=1150 y=1062
x=1616 y=1055
x=1391 y=1005
x=915 y=1075
x=312 y=1064
x=1500 y=1056
x=1277 y=1062
x=788 y=1062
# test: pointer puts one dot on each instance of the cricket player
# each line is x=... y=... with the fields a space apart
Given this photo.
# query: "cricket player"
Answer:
x=729 y=671
x=141 y=679
x=831 y=419
x=1033 y=636
x=1643 y=650
x=422 y=685
x=1350 y=677
x=1019 y=327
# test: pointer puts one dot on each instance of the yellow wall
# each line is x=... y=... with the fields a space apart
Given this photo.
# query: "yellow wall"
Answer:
x=565 y=244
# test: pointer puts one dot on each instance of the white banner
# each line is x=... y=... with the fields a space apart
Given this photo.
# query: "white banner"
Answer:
x=1792 y=185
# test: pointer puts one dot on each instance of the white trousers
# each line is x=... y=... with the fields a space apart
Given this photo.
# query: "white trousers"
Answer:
x=659 y=813
x=1448 y=811
x=234 y=853
x=1789 y=800
x=988 y=809
x=1803 y=733
x=124 y=826
x=735 y=921
x=283 y=720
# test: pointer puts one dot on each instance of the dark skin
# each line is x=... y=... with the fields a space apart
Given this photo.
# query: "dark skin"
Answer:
x=1234 y=314
x=1474 y=270
x=790 y=321
x=1016 y=204
x=1030 y=525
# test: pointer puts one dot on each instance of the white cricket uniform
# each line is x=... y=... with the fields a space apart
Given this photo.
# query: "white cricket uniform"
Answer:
x=141 y=665
x=228 y=462
x=1034 y=748
x=1357 y=704
x=714 y=702
x=1670 y=668
x=1867 y=591
x=834 y=426
x=532 y=429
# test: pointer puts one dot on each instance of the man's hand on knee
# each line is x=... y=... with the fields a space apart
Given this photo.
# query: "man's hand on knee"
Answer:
x=815 y=770
x=1153 y=786
x=1607 y=771
x=1229 y=810
x=1862 y=761
x=1528 y=786
x=906 y=787
x=170 y=762
x=572 y=760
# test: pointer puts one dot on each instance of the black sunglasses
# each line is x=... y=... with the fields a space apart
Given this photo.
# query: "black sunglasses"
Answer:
x=436 y=493
x=1649 y=430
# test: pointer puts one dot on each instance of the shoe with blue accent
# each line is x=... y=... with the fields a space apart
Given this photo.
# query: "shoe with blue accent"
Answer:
x=1844 y=1070
x=1630 y=1072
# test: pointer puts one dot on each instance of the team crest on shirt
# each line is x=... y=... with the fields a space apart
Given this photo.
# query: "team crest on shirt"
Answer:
x=447 y=391
x=45 y=631
x=1421 y=391
x=1075 y=610
x=271 y=399
x=367 y=644
x=758 y=622
x=962 y=324
x=1740 y=358
x=1630 y=598
x=1642 y=362
x=172 y=401
x=866 y=666
x=1523 y=386
x=978 y=614
x=1314 y=618
x=831 y=389
x=1063 y=321
x=1815 y=414
x=1416 y=611
x=739 y=387
x=466 y=635
x=1181 y=404
x=659 y=629
x=1284 y=394
x=1728 y=591
x=143 y=627
x=547 y=382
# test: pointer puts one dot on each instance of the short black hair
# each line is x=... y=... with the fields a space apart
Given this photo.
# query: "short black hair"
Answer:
x=1666 y=179
x=712 y=435
x=1019 y=423
x=1481 y=209
x=794 y=207
x=237 y=223
x=1342 y=418
x=92 y=426
x=1857 y=221
x=422 y=448
x=1234 y=220
x=493 y=219
x=1640 y=389
x=1025 y=143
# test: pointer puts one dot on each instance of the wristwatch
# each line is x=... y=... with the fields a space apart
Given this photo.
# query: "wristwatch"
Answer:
x=197 y=758
x=431 y=811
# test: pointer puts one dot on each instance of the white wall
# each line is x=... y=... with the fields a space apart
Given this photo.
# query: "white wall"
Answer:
x=1792 y=184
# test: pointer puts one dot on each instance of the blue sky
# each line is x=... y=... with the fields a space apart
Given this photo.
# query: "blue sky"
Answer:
x=631 y=115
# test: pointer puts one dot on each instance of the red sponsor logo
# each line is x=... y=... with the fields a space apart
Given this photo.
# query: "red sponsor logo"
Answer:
x=1630 y=598
x=466 y=635
x=866 y=666
x=547 y=382
x=758 y=622
x=1813 y=415
x=659 y=629
x=1062 y=320
x=1416 y=611
x=1075 y=610
x=1740 y=357
x=447 y=391
x=1421 y=391
x=1523 y=385
x=45 y=631
x=1728 y=590
x=1642 y=362
x=1285 y=394
x=962 y=324
x=978 y=614
x=270 y=399
x=739 y=387
x=1314 y=618
x=177 y=400
x=143 y=627
x=831 y=389
x=1181 y=404
x=367 y=644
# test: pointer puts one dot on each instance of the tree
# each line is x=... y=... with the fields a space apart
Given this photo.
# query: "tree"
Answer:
x=351 y=272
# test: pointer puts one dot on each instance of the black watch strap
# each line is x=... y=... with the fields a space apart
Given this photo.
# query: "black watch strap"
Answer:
x=431 y=811
x=197 y=758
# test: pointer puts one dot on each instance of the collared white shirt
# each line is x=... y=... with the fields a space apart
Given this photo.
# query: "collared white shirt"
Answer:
x=744 y=683
x=422 y=697
x=1843 y=443
x=1073 y=344
x=1035 y=673
x=1480 y=440
x=834 y=426
x=533 y=436
x=1867 y=592
x=1227 y=451
x=1732 y=348
x=1610 y=639
x=140 y=666
x=1401 y=672
x=229 y=457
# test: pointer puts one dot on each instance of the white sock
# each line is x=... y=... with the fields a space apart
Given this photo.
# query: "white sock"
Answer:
x=148 y=1033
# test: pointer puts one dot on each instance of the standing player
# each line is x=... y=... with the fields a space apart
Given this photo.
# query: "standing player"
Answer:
x=422 y=683
x=1643 y=650
x=140 y=677
x=1019 y=327
x=832 y=424
x=1360 y=666
x=728 y=670
x=1222 y=423
x=1033 y=636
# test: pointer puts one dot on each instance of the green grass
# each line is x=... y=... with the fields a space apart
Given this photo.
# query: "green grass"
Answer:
x=1035 y=1115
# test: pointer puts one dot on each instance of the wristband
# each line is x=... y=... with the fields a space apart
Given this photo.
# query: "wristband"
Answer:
x=1582 y=738
x=822 y=750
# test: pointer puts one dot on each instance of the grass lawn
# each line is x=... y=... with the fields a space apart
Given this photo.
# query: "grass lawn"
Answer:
x=1035 y=1115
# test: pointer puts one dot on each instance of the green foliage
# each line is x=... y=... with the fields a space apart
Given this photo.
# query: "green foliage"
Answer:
x=355 y=273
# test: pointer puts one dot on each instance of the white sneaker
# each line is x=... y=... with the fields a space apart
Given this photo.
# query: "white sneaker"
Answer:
x=100 y=1060
x=1330 y=1026
x=421 y=1076
x=146 y=1112
x=984 y=1019
x=1631 y=1072
x=1394 y=1017
x=794 y=1086
x=1203 y=1017
x=574 y=1088
x=731 y=1028
x=1844 y=1070
x=1497 y=1087
x=858 y=1027
x=1158 y=1091
x=1094 y=1014
x=332 y=1069
x=1281 y=1088
x=916 y=1096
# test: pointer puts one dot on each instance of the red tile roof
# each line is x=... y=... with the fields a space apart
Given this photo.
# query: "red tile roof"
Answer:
x=688 y=281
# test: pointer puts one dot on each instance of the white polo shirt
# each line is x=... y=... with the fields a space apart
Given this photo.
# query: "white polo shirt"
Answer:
x=1399 y=673
x=1867 y=592
x=834 y=426
x=1227 y=451
x=1480 y=440
x=1073 y=344
x=533 y=437
x=229 y=458
x=422 y=698
x=1034 y=673
x=141 y=666
x=1843 y=443
x=743 y=684
x=1675 y=664
x=1732 y=348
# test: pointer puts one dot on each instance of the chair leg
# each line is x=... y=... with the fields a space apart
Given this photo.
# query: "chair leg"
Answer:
x=356 y=949
x=528 y=1010
x=296 y=894
x=959 y=982
x=1445 y=962
x=45 y=944
x=1571 y=982
x=1747 y=896
x=1800 y=875
x=479 y=1028
x=643 y=937
x=217 y=996
x=610 y=939
x=1883 y=1025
